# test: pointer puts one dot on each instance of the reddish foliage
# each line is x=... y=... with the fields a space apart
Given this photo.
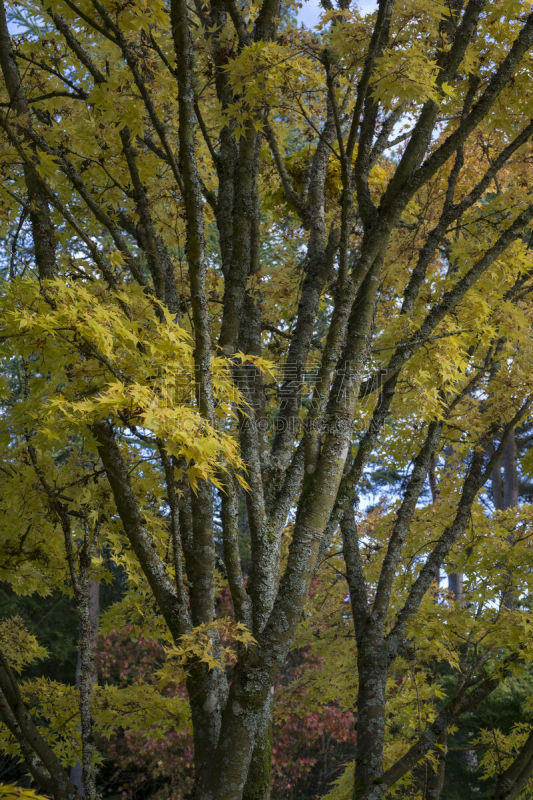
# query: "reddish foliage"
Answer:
x=136 y=765
x=309 y=751
x=310 y=744
x=121 y=659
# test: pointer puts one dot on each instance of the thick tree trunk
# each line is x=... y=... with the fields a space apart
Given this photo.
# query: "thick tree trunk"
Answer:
x=372 y=667
x=258 y=782
x=86 y=676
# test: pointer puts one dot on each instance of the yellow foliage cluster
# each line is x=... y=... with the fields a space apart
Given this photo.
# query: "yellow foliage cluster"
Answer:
x=114 y=354
x=12 y=792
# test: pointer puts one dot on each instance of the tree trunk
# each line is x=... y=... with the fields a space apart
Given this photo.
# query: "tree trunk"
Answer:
x=259 y=778
x=93 y=616
x=372 y=665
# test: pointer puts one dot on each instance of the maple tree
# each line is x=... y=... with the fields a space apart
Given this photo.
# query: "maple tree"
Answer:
x=247 y=264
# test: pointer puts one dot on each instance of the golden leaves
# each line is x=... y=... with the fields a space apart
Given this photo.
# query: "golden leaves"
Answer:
x=12 y=792
x=117 y=354
x=19 y=646
x=213 y=643
x=256 y=75
x=405 y=75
